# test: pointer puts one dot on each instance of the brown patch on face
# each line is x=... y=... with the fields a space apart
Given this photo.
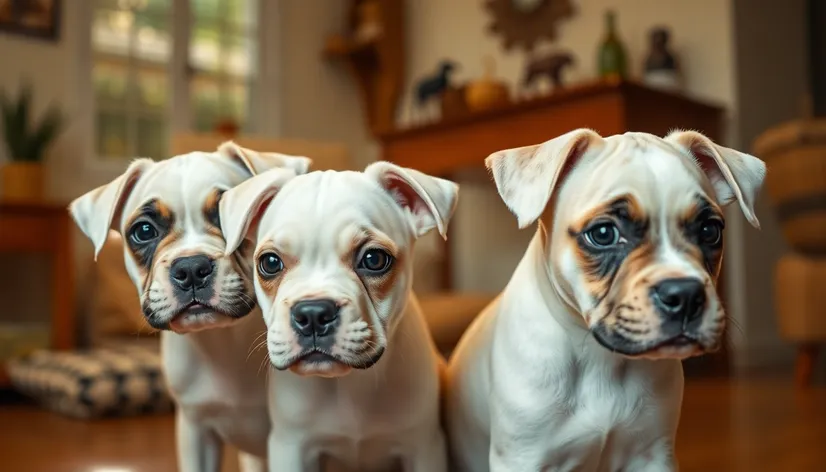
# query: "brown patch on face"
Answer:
x=211 y=213
x=147 y=231
x=270 y=283
x=379 y=284
x=625 y=218
x=693 y=230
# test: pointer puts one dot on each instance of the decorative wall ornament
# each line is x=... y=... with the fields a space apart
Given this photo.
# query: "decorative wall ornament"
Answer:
x=523 y=23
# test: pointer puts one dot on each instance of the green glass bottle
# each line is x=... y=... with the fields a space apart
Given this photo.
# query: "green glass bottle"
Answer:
x=612 y=60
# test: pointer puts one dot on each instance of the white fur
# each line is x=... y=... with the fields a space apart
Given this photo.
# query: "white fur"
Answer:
x=529 y=387
x=361 y=419
x=213 y=371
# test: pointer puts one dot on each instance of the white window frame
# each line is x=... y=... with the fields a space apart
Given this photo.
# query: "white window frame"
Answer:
x=266 y=119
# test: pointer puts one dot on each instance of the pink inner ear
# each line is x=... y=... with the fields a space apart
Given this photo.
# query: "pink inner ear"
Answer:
x=405 y=196
x=575 y=154
x=707 y=163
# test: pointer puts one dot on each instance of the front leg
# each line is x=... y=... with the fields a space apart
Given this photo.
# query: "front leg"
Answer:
x=659 y=458
x=251 y=463
x=199 y=449
x=288 y=454
x=429 y=455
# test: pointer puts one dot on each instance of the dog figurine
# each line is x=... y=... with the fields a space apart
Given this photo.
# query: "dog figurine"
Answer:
x=198 y=293
x=577 y=364
x=357 y=375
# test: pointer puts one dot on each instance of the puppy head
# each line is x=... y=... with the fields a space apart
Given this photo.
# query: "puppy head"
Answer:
x=333 y=258
x=175 y=253
x=636 y=231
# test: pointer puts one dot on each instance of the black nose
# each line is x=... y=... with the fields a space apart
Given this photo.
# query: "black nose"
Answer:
x=682 y=299
x=314 y=317
x=192 y=271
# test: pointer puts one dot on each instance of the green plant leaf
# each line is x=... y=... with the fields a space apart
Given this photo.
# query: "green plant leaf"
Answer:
x=43 y=134
x=25 y=141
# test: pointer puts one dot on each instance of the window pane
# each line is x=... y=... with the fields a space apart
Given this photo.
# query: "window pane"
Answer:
x=242 y=13
x=205 y=46
x=111 y=135
x=152 y=137
x=205 y=103
x=240 y=51
x=206 y=9
x=152 y=38
x=152 y=89
x=110 y=31
x=237 y=106
x=110 y=81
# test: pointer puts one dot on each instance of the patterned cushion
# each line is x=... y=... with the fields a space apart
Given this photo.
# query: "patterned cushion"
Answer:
x=94 y=383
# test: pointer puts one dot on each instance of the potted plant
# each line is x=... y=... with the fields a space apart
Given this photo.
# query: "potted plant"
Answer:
x=21 y=179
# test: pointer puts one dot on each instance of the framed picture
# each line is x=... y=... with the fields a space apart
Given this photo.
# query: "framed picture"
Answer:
x=33 y=18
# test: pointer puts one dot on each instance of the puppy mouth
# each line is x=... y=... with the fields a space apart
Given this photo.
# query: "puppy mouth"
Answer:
x=317 y=356
x=679 y=345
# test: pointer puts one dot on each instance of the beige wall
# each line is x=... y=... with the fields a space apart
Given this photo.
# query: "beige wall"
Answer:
x=320 y=101
x=489 y=243
x=771 y=83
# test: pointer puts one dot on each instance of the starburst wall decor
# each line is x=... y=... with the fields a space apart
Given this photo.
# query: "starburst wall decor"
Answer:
x=523 y=23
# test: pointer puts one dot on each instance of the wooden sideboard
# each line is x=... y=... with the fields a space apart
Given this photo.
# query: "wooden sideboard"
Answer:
x=45 y=229
x=460 y=143
x=608 y=108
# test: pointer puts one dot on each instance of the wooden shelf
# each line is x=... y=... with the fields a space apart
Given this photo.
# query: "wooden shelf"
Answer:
x=463 y=142
x=607 y=107
x=377 y=64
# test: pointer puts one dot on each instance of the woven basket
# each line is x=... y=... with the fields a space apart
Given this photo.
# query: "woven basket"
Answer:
x=795 y=154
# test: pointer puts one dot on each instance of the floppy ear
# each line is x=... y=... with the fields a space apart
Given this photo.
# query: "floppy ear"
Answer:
x=526 y=177
x=242 y=205
x=733 y=174
x=427 y=201
x=257 y=162
x=97 y=211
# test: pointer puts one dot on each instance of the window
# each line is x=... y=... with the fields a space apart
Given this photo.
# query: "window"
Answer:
x=135 y=66
x=222 y=41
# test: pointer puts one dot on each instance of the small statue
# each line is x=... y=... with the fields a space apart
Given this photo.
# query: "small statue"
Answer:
x=550 y=65
x=432 y=87
x=661 y=67
x=369 y=21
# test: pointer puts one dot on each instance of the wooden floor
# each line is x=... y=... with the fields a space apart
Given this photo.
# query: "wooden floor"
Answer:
x=746 y=425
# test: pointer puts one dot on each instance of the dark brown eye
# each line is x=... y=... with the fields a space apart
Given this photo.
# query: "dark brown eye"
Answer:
x=711 y=233
x=269 y=264
x=603 y=235
x=143 y=232
x=375 y=262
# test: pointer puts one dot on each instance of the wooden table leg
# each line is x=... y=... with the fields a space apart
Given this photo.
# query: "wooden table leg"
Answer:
x=63 y=290
x=805 y=363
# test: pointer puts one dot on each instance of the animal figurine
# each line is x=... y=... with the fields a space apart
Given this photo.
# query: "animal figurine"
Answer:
x=550 y=65
x=661 y=66
x=434 y=85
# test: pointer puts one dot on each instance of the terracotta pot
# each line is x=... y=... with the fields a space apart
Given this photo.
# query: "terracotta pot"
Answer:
x=486 y=94
x=795 y=154
x=22 y=181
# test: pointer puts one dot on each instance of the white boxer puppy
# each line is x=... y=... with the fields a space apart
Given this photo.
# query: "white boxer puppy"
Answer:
x=188 y=284
x=357 y=373
x=576 y=366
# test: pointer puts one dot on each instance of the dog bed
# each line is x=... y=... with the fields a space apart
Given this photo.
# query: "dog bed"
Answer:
x=97 y=383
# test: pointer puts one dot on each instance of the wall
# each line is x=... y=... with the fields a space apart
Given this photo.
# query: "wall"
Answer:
x=489 y=245
x=771 y=60
x=320 y=101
